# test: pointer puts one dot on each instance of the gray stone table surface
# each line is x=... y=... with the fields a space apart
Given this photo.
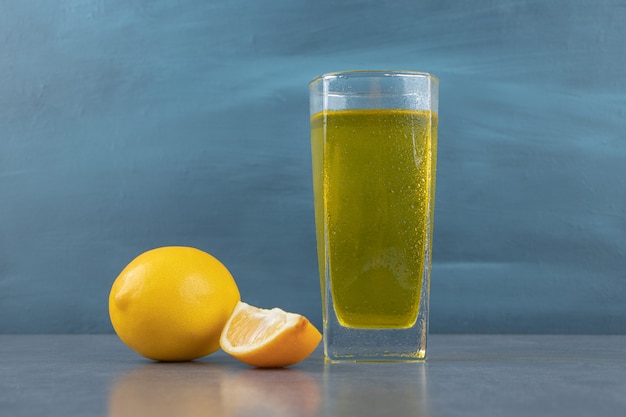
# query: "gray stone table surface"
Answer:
x=465 y=375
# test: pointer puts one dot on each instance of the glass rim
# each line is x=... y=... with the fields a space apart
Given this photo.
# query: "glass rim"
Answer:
x=373 y=74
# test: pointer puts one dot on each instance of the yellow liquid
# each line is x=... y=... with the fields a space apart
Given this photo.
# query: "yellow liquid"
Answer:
x=374 y=185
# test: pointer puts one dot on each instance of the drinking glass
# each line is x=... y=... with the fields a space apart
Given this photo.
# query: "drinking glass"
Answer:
x=374 y=149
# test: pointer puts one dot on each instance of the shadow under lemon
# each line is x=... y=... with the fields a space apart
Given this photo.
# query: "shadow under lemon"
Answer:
x=193 y=389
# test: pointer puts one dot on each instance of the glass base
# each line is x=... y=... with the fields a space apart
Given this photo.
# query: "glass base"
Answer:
x=345 y=344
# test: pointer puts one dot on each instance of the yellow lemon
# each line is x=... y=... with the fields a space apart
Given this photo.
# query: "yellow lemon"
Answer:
x=268 y=338
x=171 y=303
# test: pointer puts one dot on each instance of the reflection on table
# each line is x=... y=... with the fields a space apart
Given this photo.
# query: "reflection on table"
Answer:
x=383 y=389
x=204 y=389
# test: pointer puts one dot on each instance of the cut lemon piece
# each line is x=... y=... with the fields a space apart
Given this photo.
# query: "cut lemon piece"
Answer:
x=268 y=338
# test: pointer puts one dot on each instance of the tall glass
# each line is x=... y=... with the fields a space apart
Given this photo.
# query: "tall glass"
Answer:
x=374 y=148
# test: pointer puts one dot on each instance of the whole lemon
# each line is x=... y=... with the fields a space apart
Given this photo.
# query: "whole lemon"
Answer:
x=171 y=303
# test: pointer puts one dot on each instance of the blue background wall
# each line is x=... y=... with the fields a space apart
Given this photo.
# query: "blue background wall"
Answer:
x=126 y=125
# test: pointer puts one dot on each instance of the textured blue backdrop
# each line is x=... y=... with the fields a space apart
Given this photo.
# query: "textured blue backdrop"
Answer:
x=126 y=125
